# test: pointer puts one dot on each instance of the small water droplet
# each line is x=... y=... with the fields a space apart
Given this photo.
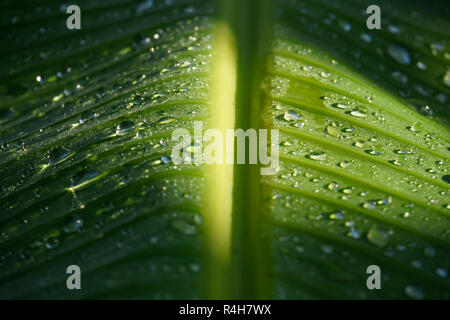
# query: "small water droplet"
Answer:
x=344 y=164
x=184 y=226
x=377 y=237
x=291 y=115
x=124 y=127
x=358 y=113
x=317 y=156
x=399 y=54
x=441 y=272
x=166 y=120
x=73 y=224
x=414 y=292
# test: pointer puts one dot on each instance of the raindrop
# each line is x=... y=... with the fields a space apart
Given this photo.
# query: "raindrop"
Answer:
x=441 y=272
x=344 y=164
x=421 y=65
x=396 y=163
x=366 y=37
x=166 y=120
x=337 y=215
x=399 y=54
x=416 y=127
x=353 y=233
x=399 y=77
x=183 y=226
x=58 y=155
x=317 y=156
x=333 y=131
x=124 y=127
x=341 y=106
x=393 y=29
x=291 y=116
x=358 y=113
x=74 y=224
x=377 y=237
x=327 y=249
x=414 y=292
x=446 y=78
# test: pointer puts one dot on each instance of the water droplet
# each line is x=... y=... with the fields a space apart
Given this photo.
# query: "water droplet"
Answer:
x=446 y=78
x=446 y=178
x=369 y=205
x=414 y=292
x=124 y=127
x=327 y=249
x=353 y=233
x=73 y=224
x=317 y=156
x=184 y=226
x=377 y=237
x=416 y=264
x=291 y=116
x=58 y=155
x=399 y=77
x=341 y=106
x=399 y=54
x=333 y=131
x=166 y=120
x=344 y=164
x=358 y=114
x=406 y=215
x=393 y=29
x=83 y=177
x=87 y=116
x=337 y=215
x=144 y=6
x=345 y=26
x=421 y=65
x=441 y=272
x=366 y=37
x=373 y=152
x=416 y=127
x=396 y=163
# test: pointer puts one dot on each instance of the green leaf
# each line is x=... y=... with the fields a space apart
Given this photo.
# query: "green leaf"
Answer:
x=87 y=179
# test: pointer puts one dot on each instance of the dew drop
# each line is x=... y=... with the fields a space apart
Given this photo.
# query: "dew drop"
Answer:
x=446 y=78
x=377 y=237
x=441 y=272
x=399 y=54
x=341 y=106
x=337 y=215
x=124 y=127
x=183 y=226
x=166 y=120
x=344 y=164
x=358 y=114
x=73 y=224
x=291 y=115
x=317 y=156
x=414 y=292
x=58 y=155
